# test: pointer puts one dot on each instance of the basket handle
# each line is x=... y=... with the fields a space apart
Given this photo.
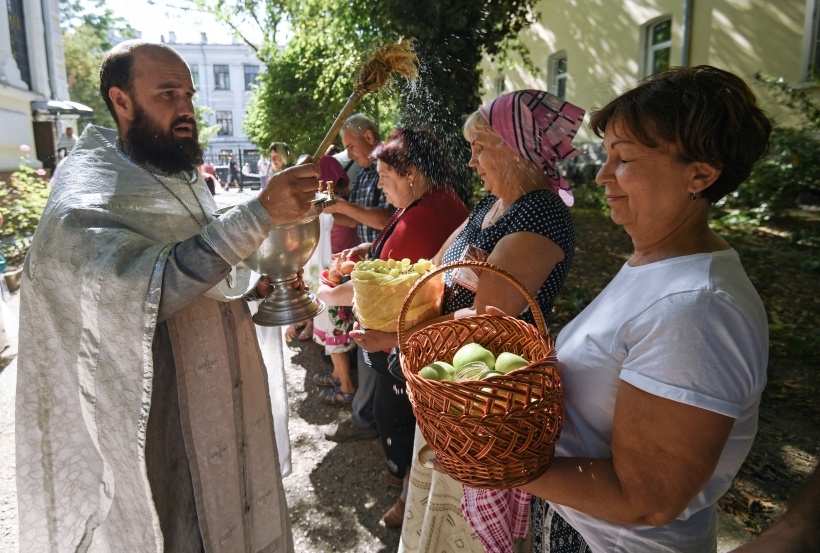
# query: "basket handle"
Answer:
x=484 y=266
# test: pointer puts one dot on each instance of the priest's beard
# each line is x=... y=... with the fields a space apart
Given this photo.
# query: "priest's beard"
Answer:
x=148 y=143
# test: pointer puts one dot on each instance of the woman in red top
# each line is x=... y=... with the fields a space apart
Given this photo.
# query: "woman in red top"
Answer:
x=414 y=174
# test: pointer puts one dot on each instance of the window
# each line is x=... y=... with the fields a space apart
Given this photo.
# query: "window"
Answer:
x=251 y=157
x=222 y=77
x=557 y=75
x=251 y=74
x=812 y=36
x=225 y=156
x=659 y=46
x=195 y=74
x=19 y=42
x=500 y=87
x=225 y=121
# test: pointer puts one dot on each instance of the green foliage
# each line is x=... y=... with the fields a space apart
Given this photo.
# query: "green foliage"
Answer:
x=86 y=39
x=204 y=128
x=789 y=175
x=22 y=201
x=308 y=81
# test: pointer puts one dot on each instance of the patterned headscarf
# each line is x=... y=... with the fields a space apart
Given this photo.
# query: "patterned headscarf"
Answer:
x=540 y=127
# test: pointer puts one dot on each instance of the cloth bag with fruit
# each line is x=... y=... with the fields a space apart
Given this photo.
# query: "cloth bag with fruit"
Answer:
x=379 y=289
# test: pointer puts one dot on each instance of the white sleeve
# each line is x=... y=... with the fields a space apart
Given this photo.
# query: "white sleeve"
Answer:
x=697 y=348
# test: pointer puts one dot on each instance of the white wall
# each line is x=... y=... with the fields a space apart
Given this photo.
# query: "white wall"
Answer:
x=15 y=96
x=235 y=100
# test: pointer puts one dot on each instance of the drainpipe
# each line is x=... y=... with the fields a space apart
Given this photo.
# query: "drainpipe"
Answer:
x=45 y=7
x=687 y=32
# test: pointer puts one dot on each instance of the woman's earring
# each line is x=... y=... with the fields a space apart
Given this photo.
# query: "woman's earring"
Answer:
x=694 y=196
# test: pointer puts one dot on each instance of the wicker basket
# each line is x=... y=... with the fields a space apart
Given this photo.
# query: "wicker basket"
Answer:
x=499 y=432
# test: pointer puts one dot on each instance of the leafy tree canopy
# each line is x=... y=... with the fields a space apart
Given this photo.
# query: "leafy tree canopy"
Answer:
x=308 y=80
x=87 y=36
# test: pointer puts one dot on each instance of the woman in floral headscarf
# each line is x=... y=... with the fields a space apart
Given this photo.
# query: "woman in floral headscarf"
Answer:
x=522 y=225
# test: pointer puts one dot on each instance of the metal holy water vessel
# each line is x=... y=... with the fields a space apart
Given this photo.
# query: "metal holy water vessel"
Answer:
x=287 y=249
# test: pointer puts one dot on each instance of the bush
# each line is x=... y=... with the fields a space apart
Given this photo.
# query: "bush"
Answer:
x=22 y=201
x=788 y=176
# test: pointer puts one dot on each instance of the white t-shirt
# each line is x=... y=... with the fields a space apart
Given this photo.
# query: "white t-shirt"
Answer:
x=262 y=167
x=691 y=329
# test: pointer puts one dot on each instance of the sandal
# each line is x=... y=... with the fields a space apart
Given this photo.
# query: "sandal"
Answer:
x=335 y=396
x=293 y=330
x=394 y=517
x=327 y=380
x=307 y=332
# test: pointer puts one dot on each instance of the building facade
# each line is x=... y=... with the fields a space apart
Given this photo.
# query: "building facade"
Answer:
x=34 y=101
x=224 y=75
x=589 y=51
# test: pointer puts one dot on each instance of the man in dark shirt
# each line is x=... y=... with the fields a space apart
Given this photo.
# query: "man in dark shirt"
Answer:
x=233 y=169
x=367 y=209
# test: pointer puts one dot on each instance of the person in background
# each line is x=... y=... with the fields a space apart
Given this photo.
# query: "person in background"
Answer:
x=234 y=176
x=66 y=142
x=331 y=327
x=368 y=209
x=523 y=225
x=281 y=157
x=332 y=150
x=262 y=167
x=209 y=179
x=208 y=167
x=416 y=179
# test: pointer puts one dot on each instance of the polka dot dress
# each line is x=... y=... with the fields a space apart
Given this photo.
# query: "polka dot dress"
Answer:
x=541 y=212
x=551 y=533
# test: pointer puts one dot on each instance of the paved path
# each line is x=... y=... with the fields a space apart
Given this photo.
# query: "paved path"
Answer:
x=8 y=386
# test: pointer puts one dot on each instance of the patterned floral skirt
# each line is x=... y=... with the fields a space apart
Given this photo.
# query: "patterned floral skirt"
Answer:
x=331 y=328
x=551 y=533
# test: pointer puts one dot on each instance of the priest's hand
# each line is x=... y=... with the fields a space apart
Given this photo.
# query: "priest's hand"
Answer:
x=288 y=194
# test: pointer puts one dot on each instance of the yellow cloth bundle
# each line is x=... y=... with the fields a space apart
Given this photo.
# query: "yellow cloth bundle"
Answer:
x=379 y=289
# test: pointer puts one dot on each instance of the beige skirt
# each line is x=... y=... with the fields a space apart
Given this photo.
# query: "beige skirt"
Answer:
x=432 y=516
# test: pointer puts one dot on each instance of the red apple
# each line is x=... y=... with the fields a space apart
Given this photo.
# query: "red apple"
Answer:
x=334 y=276
x=347 y=267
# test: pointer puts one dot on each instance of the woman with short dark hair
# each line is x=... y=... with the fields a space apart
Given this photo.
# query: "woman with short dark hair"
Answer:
x=416 y=178
x=664 y=370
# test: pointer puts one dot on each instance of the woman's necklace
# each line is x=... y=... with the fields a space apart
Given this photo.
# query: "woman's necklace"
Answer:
x=496 y=213
x=121 y=147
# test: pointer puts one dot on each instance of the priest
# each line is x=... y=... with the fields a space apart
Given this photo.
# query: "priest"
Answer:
x=143 y=418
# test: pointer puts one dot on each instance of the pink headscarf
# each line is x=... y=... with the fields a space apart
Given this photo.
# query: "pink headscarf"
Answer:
x=540 y=127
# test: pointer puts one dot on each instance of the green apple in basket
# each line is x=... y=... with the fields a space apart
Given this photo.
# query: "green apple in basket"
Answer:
x=508 y=362
x=437 y=370
x=473 y=352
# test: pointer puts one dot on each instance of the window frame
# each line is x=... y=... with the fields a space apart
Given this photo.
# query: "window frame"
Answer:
x=194 y=67
x=650 y=49
x=225 y=124
x=227 y=74
x=19 y=40
x=249 y=84
x=811 y=44
x=500 y=84
x=555 y=78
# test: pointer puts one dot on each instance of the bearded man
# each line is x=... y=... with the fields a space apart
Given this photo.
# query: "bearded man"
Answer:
x=143 y=413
